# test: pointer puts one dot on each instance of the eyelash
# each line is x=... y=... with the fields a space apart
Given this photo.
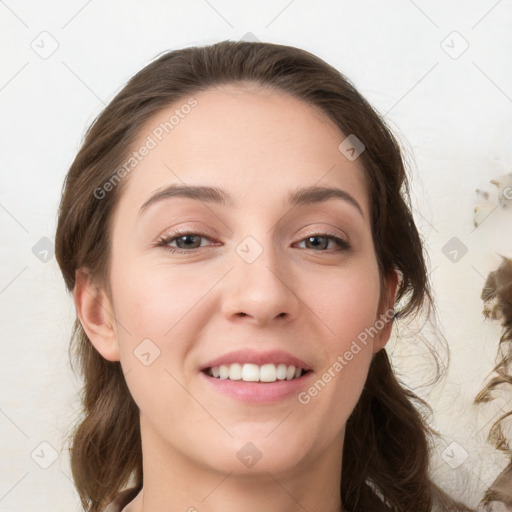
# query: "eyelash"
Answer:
x=163 y=242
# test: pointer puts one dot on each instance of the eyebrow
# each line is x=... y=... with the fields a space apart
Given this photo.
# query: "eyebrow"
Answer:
x=301 y=196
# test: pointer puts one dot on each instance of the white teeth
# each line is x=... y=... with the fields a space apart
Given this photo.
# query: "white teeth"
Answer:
x=250 y=372
x=268 y=373
x=253 y=373
x=235 y=371
x=223 y=371
x=281 y=371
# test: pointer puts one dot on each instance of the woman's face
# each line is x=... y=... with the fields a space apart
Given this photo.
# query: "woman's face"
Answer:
x=240 y=274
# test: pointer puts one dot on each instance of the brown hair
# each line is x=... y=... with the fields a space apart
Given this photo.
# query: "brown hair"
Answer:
x=386 y=449
x=497 y=297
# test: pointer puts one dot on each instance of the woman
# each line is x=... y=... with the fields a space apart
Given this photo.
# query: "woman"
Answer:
x=236 y=233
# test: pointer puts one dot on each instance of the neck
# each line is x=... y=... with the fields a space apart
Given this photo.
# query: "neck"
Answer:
x=175 y=482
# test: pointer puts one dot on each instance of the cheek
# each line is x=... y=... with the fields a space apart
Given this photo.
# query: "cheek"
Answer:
x=156 y=310
x=160 y=312
x=346 y=302
x=157 y=302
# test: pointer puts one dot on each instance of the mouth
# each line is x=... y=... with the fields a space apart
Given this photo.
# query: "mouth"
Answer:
x=256 y=377
x=250 y=372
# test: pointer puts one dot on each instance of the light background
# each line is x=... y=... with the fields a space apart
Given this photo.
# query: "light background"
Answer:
x=451 y=108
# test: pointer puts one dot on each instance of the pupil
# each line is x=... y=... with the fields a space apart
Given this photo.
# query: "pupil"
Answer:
x=313 y=238
x=187 y=238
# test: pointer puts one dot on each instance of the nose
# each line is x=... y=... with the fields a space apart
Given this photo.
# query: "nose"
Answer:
x=262 y=289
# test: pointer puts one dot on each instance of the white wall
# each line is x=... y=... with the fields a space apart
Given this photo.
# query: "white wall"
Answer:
x=453 y=113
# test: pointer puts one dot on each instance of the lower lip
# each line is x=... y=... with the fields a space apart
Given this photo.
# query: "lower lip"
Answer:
x=258 y=392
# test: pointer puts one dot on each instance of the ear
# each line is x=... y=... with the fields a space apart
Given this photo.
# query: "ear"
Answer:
x=386 y=309
x=95 y=313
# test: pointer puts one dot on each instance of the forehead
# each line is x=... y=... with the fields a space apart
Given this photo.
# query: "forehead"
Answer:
x=257 y=142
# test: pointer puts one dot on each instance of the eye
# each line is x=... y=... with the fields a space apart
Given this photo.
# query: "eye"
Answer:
x=186 y=241
x=321 y=241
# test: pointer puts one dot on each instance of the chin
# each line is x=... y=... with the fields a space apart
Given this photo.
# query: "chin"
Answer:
x=255 y=451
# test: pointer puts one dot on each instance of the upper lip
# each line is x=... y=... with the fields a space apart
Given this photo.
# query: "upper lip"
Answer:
x=257 y=357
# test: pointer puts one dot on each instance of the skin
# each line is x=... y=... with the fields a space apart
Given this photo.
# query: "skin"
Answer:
x=309 y=300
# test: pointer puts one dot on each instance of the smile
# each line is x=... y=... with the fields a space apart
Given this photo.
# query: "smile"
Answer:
x=250 y=372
